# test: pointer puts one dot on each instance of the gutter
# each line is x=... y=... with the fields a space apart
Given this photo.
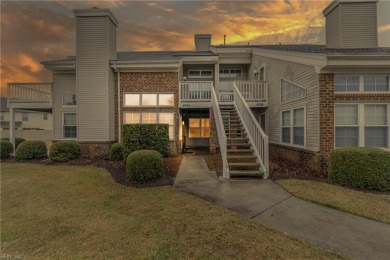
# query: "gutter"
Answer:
x=119 y=102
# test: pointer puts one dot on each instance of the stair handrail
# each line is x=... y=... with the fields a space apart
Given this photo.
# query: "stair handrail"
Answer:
x=256 y=135
x=222 y=139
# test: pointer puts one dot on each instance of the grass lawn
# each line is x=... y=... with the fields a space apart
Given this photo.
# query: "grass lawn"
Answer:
x=78 y=212
x=365 y=204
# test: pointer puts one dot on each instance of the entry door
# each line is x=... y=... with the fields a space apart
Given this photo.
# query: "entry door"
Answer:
x=262 y=121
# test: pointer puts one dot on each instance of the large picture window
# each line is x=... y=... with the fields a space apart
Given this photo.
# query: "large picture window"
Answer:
x=362 y=125
x=291 y=92
x=150 y=118
x=199 y=127
x=361 y=83
x=70 y=125
x=293 y=127
x=148 y=99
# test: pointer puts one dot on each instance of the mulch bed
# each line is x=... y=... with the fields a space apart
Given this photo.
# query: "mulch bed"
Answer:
x=117 y=169
x=285 y=169
x=214 y=162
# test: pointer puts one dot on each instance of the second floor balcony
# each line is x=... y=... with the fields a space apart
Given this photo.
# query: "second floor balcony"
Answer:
x=30 y=95
x=197 y=94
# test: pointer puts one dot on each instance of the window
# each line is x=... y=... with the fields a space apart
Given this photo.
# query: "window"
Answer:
x=346 y=125
x=132 y=100
x=293 y=127
x=376 y=126
x=69 y=100
x=45 y=116
x=261 y=75
x=199 y=127
x=291 y=92
x=230 y=73
x=200 y=73
x=1 y=116
x=70 y=125
x=362 y=125
x=150 y=118
x=24 y=116
x=148 y=99
x=376 y=83
x=368 y=83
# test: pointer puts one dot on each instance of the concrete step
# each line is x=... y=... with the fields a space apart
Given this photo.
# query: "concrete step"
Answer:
x=245 y=173
x=243 y=165
x=239 y=151
x=240 y=144
x=248 y=158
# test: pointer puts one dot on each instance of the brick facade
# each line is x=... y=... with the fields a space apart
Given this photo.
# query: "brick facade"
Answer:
x=149 y=82
x=213 y=132
x=327 y=98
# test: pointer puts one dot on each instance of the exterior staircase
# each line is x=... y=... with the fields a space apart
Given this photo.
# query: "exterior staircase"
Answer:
x=241 y=159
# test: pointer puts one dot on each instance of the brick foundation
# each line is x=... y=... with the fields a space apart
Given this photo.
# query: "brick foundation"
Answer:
x=305 y=158
x=95 y=149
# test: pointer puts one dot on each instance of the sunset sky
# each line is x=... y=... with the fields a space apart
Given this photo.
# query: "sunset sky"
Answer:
x=32 y=31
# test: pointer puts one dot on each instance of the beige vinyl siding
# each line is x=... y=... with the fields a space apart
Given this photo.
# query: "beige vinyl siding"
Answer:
x=333 y=28
x=94 y=91
x=63 y=83
x=301 y=75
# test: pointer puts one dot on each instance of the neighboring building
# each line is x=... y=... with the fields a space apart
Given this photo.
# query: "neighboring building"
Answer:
x=308 y=99
x=29 y=124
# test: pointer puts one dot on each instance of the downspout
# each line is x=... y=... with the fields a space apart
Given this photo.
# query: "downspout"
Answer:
x=119 y=102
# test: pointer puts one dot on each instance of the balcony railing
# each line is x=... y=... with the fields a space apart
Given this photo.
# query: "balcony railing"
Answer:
x=196 y=90
x=253 y=91
x=29 y=92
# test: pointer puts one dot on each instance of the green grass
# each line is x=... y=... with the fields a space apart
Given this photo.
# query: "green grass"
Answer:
x=79 y=212
x=364 y=204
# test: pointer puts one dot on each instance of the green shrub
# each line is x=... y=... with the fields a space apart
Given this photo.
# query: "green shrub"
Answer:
x=64 y=151
x=116 y=152
x=29 y=150
x=6 y=149
x=18 y=140
x=360 y=167
x=144 y=166
x=145 y=137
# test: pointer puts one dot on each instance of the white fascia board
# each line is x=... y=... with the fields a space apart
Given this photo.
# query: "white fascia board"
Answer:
x=61 y=67
x=305 y=58
x=237 y=50
x=145 y=67
x=368 y=61
x=199 y=60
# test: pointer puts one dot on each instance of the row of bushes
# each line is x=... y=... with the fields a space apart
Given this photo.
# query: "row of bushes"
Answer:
x=28 y=150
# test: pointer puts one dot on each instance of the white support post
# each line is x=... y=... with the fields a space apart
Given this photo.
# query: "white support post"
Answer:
x=12 y=127
x=216 y=80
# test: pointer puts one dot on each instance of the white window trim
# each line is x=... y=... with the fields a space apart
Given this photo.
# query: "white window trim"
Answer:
x=361 y=124
x=140 y=99
x=62 y=100
x=229 y=77
x=292 y=126
x=157 y=118
x=361 y=84
x=200 y=76
x=291 y=101
x=63 y=132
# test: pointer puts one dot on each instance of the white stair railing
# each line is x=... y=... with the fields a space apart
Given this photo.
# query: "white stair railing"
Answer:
x=222 y=139
x=256 y=135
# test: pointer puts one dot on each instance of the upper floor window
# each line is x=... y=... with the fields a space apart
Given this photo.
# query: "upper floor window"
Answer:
x=230 y=73
x=376 y=83
x=148 y=99
x=200 y=74
x=24 y=116
x=45 y=116
x=69 y=100
x=367 y=83
x=291 y=92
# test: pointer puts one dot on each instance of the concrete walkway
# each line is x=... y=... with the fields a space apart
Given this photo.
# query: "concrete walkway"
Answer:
x=266 y=202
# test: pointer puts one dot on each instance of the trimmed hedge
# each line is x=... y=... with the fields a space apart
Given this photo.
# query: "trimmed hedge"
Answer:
x=145 y=137
x=144 y=166
x=18 y=140
x=64 y=151
x=116 y=152
x=6 y=149
x=29 y=150
x=360 y=167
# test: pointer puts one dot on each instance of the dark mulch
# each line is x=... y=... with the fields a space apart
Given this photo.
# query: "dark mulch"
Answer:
x=285 y=169
x=214 y=162
x=117 y=169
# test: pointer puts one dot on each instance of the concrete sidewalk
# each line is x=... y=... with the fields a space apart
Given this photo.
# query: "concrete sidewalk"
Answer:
x=266 y=202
